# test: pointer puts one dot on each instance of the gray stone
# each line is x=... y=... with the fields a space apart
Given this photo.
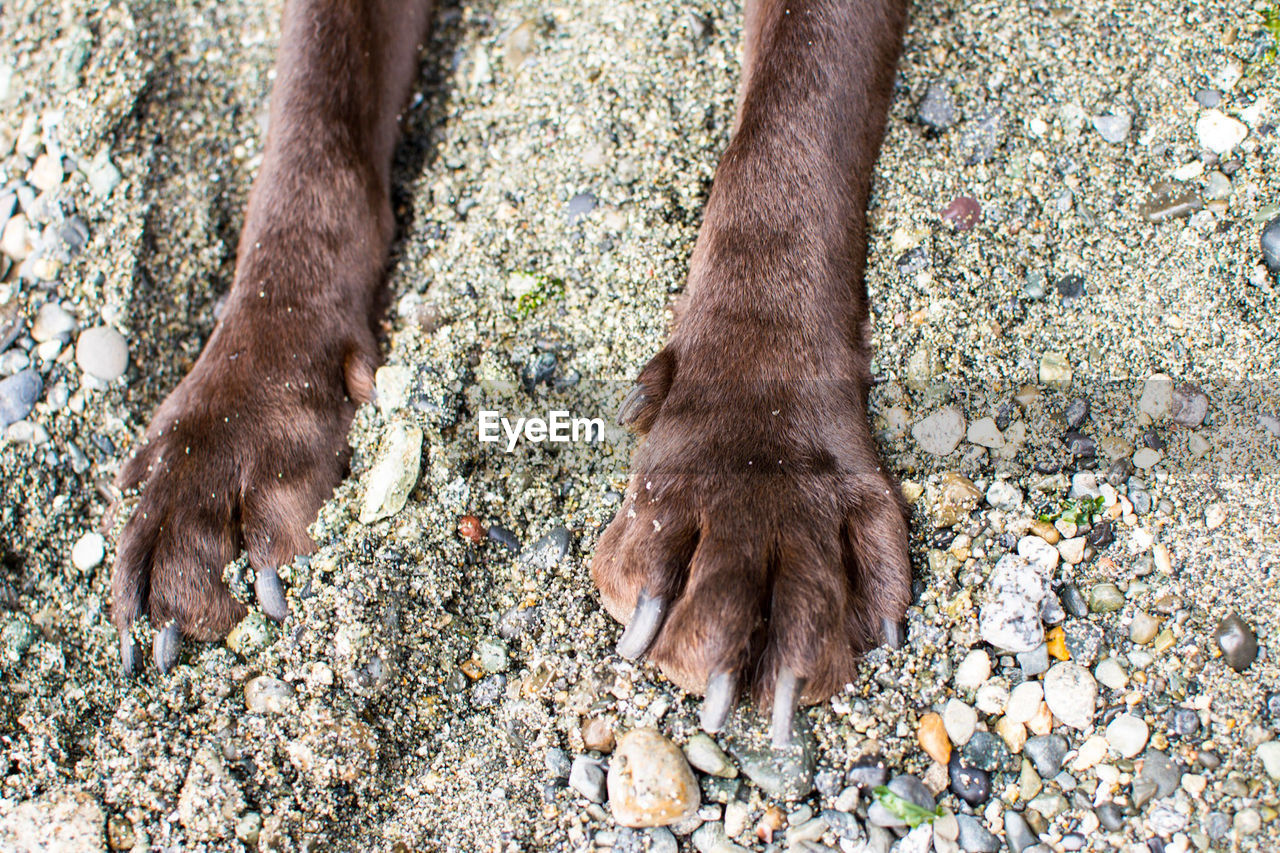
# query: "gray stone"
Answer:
x=1113 y=128
x=1269 y=240
x=393 y=475
x=940 y=433
x=937 y=109
x=1237 y=641
x=1017 y=833
x=1070 y=692
x=706 y=755
x=784 y=774
x=267 y=695
x=586 y=776
x=18 y=396
x=1046 y=752
x=1189 y=405
x=974 y=837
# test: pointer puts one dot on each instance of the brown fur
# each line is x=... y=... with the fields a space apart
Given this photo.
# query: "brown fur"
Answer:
x=758 y=504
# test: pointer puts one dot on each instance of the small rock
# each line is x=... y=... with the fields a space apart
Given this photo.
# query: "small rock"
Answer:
x=971 y=784
x=1143 y=628
x=1269 y=755
x=932 y=735
x=88 y=551
x=1113 y=128
x=1237 y=641
x=1055 y=370
x=52 y=323
x=784 y=774
x=1188 y=405
x=1046 y=752
x=18 y=396
x=960 y=721
x=650 y=783
x=1105 y=598
x=1111 y=674
x=706 y=755
x=1157 y=396
x=1070 y=691
x=1009 y=617
x=909 y=788
x=1165 y=206
x=1219 y=132
x=973 y=670
x=267 y=695
x=393 y=476
x=940 y=433
x=985 y=433
x=102 y=353
x=1004 y=495
x=586 y=776
x=1072 y=550
x=937 y=109
x=986 y=752
x=1024 y=701
x=62 y=819
x=1146 y=458
x=1269 y=240
x=1017 y=833
x=1127 y=734
x=974 y=837
x=103 y=175
x=46 y=173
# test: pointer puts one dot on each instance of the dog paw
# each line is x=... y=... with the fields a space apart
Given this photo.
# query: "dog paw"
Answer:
x=240 y=455
x=761 y=545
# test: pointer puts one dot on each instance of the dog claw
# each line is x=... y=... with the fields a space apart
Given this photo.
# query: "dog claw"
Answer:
x=722 y=692
x=168 y=643
x=271 y=594
x=643 y=627
x=631 y=405
x=894 y=633
x=128 y=654
x=786 y=698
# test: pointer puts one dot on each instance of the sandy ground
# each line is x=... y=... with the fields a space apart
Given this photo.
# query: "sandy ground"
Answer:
x=425 y=682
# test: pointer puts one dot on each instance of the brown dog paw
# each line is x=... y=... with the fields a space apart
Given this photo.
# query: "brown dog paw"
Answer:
x=761 y=543
x=240 y=455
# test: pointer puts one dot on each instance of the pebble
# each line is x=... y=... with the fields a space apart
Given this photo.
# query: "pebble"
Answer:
x=1160 y=777
x=941 y=432
x=1040 y=553
x=1113 y=128
x=992 y=697
x=909 y=788
x=1072 y=550
x=1111 y=674
x=1269 y=241
x=586 y=776
x=784 y=774
x=1055 y=370
x=960 y=721
x=1127 y=734
x=971 y=784
x=548 y=551
x=1024 y=701
x=52 y=322
x=973 y=671
x=1046 y=752
x=394 y=474
x=985 y=433
x=1146 y=458
x=649 y=782
x=1143 y=628
x=1105 y=598
x=986 y=752
x=102 y=353
x=46 y=173
x=1164 y=206
x=16 y=238
x=267 y=695
x=1237 y=641
x=1219 y=132
x=962 y=213
x=974 y=837
x=1016 y=832
x=1109 y=816
x=579 y=206
x=1013 y=733
x=103 y=176
x=1157 y=396
x=1036 y=661
x=932 y=736
x=88 y=551
x=1070 y=691
x=1188 y=405
x=1269 y=755
x=706 y=755
x=1009 y=617
x=1004 y=495
x=937 y=108
x=18 y=396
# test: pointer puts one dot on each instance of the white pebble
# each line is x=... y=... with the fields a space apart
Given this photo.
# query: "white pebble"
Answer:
x=960 y=721
x=1220 y=133
x=1024 y=701
x=973 y=670
x=103 y=353
x=1127 y=734
x=88 y=551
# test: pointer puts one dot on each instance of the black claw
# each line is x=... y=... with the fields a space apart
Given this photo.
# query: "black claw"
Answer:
x=786 y=698
x=632 y=405
x=643 y=627
x=271 y=594
x=895 y=633
x=722 y=692
x=168 y=643
x=128 y=654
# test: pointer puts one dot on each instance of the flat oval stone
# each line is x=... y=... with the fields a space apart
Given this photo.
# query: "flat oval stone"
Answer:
x=650 y=783
x=1237 y=641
